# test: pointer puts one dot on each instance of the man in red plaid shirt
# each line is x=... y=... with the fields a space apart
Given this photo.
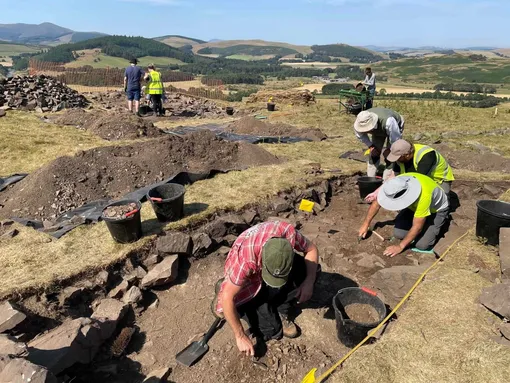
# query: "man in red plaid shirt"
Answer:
x=263 y=276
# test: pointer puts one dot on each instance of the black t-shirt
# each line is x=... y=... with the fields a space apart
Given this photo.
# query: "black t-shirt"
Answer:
x=427 y=162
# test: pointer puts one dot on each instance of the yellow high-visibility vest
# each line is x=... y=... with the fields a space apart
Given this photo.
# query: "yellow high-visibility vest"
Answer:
x=155 y=84
x=440 y=173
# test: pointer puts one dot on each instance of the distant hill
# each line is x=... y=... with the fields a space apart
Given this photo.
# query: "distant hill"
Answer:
x=116 y=46
x=178 y=41
x=224 y=47
x=42 y=34
x=353 y=54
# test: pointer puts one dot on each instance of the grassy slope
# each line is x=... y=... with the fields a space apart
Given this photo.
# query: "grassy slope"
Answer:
x=447 y=69
x=16 y=49
x=117 y=62
x=178 y=41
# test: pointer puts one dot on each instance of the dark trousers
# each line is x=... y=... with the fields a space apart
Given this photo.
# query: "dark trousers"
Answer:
x=157 y=104
x=428 y=237
x=262 y=312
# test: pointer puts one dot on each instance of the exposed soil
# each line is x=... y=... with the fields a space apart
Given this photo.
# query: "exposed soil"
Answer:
x=109 y=126
x=110 y=172
x=292 y=97
x=362 y=313
x=119 y=211
x=183 y=315
x=474 y=159
x=252 y=126
x=176 y=104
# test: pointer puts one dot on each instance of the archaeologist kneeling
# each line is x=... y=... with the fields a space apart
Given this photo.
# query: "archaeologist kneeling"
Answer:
x=384 y=125
x=263 y=278
x=409 y=158
x=423 y=207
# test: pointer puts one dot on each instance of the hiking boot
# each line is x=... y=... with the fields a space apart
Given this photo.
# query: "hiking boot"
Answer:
x=290 y=329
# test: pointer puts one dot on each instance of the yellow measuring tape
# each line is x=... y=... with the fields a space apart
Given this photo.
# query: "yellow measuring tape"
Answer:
x=310 y=377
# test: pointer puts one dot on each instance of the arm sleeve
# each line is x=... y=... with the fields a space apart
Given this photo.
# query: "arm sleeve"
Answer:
x=370 y=81
x=301 y=244
x=239 y=275
x=363 y=137
x=427 y=163
x=393 y=130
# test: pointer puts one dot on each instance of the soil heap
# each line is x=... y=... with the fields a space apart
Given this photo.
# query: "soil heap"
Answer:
x=292 y=97
x=110 y=172
x=45 y=93
x=109 y=126
x=252 y=126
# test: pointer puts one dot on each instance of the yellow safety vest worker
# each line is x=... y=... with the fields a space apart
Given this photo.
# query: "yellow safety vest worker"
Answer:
x=440 y=173
x=155 y=85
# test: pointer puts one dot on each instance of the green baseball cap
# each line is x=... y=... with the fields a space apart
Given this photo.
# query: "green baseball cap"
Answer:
x=277 y=259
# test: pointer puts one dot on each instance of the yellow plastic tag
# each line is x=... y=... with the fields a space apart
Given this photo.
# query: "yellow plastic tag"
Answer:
x=306 y=205
x=367 y=152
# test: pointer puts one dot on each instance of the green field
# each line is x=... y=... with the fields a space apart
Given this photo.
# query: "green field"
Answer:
x=247 y=57
x=456 y=68
x=104 y=61
x=16 y=49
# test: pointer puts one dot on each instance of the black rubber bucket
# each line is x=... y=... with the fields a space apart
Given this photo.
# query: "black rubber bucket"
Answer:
x=229 y=110
x=368 y=185
x=125 y=230
x=349 y=332
x=492 y=216
x=271 y=106
x=167 y=201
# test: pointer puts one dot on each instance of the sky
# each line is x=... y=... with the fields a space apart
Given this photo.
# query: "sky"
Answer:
x=443 y=23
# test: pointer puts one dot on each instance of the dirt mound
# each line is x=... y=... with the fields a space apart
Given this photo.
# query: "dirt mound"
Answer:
x=293 y=97
x=109 y=126
x=252 y=126
x=475 y=160
x=110 y=172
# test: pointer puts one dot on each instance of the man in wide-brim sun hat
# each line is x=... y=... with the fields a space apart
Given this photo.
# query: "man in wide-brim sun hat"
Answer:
x=383 y=125
x=423 y=210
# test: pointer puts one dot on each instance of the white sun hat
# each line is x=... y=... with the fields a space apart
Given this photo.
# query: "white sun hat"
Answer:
x=399 y=193
x=365 y=122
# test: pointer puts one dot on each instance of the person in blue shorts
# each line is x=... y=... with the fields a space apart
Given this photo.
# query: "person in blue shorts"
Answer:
x=132 y=86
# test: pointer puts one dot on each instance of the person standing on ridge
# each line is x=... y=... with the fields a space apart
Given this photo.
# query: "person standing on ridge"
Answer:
x=369 y=82
x=384 y=125
x=132 y=87
x=155 y=89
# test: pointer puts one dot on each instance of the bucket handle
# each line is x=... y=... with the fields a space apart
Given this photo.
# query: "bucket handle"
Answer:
x=155 y=199
x=133 y=212
x=368 y=291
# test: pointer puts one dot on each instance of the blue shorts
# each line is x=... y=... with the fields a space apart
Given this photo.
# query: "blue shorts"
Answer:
x=133 y=94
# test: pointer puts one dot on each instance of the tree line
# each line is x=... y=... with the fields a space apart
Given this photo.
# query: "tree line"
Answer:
x=463 y=87
x=117 y=46
x=472 y=100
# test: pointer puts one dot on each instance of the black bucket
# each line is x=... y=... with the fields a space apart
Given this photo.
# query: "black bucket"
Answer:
x=368 y=185
x=167 y=201
x=229 y=110
x=349 y=332
x=125 y=230
x=271 y=106
x=492 y=216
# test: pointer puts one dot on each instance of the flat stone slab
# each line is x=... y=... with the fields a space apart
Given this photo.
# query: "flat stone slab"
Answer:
x=9 y=317
x=497 y=298
x=504 y=252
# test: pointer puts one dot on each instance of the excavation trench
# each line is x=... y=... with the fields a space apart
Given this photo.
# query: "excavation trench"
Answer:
x=172 y=316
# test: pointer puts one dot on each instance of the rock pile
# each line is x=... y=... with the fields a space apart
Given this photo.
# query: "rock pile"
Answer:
x=285 y=97
x=182 y=105
x=38 y=92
